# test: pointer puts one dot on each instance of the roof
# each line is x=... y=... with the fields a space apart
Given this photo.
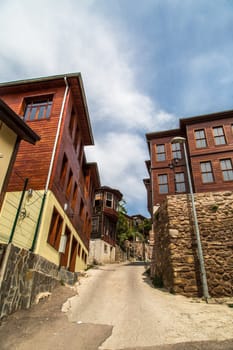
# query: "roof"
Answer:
x=93 y=166
x=75 y=83
x=205 y=117
x=187 y=121
x=111 y=190
x=15 y=123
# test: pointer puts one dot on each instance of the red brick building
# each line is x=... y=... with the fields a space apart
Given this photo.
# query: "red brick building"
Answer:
x=209 y=144
x=61 y=181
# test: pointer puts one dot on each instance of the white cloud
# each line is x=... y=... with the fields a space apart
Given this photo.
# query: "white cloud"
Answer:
x=55 y=37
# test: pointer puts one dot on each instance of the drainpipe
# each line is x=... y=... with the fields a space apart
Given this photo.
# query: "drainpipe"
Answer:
x=51 y=165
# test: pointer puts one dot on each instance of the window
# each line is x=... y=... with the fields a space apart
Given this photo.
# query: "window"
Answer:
x=163 y=183
x=160 y=153
x=98 y=199
x=207 y=172
x=179 y=182
x=55 y=229
x=63 y=170
x=80 y=152
x=72 y=123
x=227 y=170
x=38 y=108
x=95 y=224
x=176 y=150
x=105 y=249
x=219 y=137
x=69 y=185
x=109 y=200
x=75 y=195
x=81 y=209
x=200 y=138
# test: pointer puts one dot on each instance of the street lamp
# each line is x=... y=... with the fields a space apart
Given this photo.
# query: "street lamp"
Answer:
x=182 y=140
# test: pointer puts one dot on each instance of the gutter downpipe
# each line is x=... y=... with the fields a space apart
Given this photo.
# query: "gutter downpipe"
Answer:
x=51 y=165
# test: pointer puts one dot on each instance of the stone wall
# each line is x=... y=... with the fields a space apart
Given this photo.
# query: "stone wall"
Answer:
x=23 y=275
x=175 y=260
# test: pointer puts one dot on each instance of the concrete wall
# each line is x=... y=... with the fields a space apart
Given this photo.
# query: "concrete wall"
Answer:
x=101 y=252
x=175 y=259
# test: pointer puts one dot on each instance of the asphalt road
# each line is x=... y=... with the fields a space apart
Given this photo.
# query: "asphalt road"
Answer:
x=117 y=308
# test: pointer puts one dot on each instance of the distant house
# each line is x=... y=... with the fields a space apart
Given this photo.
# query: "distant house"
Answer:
x=55 y=217
x=12 y=131
x=104 y=222
x=209 y=143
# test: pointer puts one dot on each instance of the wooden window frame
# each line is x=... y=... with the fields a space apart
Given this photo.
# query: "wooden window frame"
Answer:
x=179 y=183
x=64 y=168
x=207 y=172
x=201 y=141
x=163 y=184
x=227 y=170
x=176 y=151
x=55 y=229
x=160 y=153
x=37 y=108
x=109 y=201
x=220 y=136
x=75 y=196
x=69 y=183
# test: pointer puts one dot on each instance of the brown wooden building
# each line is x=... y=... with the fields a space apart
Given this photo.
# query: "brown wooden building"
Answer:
x=104 y=222
x=56 y=108
x=209 y=144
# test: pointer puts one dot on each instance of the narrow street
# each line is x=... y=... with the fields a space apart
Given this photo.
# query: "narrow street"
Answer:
x=116 y=308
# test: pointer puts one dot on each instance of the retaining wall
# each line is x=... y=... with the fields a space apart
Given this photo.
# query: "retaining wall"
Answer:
x=175 y=261
x=23 y=275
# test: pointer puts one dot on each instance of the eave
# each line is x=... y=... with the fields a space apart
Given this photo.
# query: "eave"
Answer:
x=15 y=123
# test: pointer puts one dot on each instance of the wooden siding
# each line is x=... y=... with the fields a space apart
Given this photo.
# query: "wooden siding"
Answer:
x=210 y=153
x=33 y=162
x=196 y=155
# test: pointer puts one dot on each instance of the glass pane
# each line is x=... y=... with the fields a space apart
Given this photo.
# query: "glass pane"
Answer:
x=228 y=175
x=207 y=177
x=220 y=140
x=179 y=177
x=33 y=113
x=180 y=187
x=160 y=148
x=162 y=179
x=163 y=188
x=41 y=112
x=48 y=111
x=161 y=157
x=226 y=164
x=206 y=167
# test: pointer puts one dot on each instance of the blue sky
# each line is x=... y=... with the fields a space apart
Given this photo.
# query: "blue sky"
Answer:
x=144 y=64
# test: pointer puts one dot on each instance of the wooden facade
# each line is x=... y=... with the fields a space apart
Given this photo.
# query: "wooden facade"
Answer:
x=56 y=108
x=105 y=214
x=12 y=131
x=209 y=144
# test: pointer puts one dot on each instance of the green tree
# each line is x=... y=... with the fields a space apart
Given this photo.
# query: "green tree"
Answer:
x=123 y=231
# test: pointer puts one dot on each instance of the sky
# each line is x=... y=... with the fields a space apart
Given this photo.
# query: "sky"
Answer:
x=144 y=65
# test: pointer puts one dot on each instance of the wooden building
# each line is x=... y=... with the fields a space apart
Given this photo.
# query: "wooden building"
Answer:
x=209 y=144
x=104 y=222
x=12 y=130
x=57 y=207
